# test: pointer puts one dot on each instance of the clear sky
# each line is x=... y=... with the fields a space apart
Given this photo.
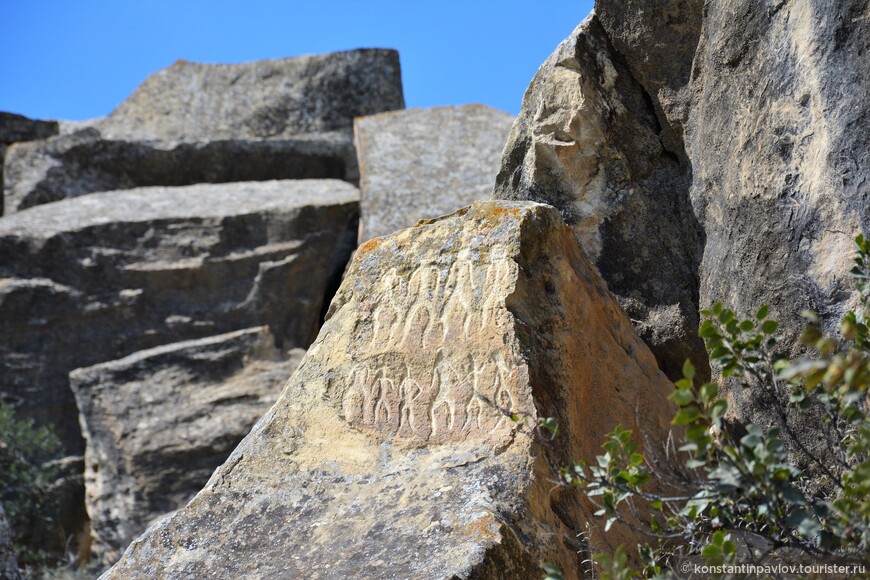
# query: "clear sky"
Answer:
x=77 y=59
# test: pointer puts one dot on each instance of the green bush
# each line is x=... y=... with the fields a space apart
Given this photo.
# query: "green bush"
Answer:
x=735 y=493
x=26 y=477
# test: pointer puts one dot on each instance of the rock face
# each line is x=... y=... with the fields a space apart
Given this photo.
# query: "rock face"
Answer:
x=158 y=422
x=779 y=136
x=422 y=163
x=95 y=278
x=706 y=152
x=15 y=128
x=595 y=143
x=193 y=123
x=8 y=557
x=401 y=409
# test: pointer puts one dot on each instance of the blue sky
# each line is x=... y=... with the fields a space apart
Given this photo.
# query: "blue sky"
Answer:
x=77 y=59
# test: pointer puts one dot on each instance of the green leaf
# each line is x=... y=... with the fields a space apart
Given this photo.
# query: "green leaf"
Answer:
x=686 y=415
x=707 y=329
x=553 y=572
x=769 y=326
x=708 y=392
x=682 y=397
x=718 y=410
x=688 y=370
x=762 y=312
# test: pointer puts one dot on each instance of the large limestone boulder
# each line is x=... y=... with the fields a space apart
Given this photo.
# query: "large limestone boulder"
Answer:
x=421 y=163
x=158 y=422
x=391 y=452
x=95 y=278
x=16 y=128
x=593 y=141
x=192 y=123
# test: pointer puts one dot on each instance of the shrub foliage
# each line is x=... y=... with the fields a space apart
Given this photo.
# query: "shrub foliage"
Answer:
x=734 y=493
x=27 y=475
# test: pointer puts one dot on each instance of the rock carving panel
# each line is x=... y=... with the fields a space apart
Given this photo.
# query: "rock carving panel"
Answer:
x=436 y=368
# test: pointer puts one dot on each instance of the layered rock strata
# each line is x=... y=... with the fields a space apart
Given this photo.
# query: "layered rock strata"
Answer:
x=92 y=279
x=401 y=409
x=421 y=163
x=203 y=123
x=158 y=422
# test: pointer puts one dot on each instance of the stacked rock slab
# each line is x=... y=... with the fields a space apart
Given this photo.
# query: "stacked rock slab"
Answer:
x=158 y=422
x=16 y=128
x=201 y=123
x=421 y=163
x=401 y=408
x=595 y=143
x=95 y=278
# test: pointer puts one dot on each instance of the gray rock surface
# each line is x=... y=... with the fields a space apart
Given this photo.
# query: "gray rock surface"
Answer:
x=95 y=278
x=192 y=123
x=391 y=452
x=779 y=138
x=8 y=557
x=707 y=152
x=423 y=163
x=158 y=422
x=594 y=142
x=15 y=128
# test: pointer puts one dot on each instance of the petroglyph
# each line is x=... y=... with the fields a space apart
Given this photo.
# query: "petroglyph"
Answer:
x=435 y=368
x=453 y=400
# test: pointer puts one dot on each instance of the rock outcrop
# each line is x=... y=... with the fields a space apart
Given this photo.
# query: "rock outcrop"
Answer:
x=95 y=278
x=16 y=128
x=401 y=409
x=707 y=152
x=8 y=557
x=201 y=123
x=421 y=163
x=779 y=138
x=595 y=143
x=158 y=422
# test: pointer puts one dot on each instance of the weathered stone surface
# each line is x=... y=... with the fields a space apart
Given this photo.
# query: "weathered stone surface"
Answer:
x=657 y=42
x=92 y=279
x=779 y=139
x=15 y=128
x=192 y=123
x=422 y=163
x=8 y=557
x=158 y=422
x=391 y=454
x=592 y=141
x=704 y=152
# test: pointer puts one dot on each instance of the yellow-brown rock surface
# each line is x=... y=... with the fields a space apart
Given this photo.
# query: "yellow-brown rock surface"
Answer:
x=391 y=452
